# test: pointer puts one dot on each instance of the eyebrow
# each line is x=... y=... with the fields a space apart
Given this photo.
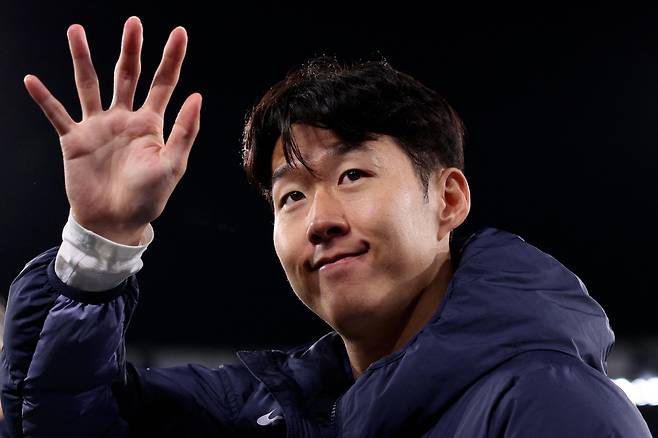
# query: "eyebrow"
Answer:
x=337 y=150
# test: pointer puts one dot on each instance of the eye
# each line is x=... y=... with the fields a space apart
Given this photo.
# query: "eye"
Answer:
x=352 y=175
x=295 y=196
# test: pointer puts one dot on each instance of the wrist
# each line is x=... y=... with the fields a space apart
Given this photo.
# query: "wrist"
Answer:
x=123 y=236
x=91 y=262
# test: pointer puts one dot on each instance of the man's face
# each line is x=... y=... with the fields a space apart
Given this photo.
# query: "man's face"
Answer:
x=358 y=241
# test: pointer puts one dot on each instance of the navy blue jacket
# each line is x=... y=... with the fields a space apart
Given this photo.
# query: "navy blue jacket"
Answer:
x=4 y=432
x=517 y=349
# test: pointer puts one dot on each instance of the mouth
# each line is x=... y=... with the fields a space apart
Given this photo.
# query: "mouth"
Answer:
x=323 y=262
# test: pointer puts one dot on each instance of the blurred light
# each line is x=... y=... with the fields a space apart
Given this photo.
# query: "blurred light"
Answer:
x=640 y=391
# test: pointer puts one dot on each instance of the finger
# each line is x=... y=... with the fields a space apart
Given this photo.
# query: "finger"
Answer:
x=126 y=72
x=51 y=107
x=86 y=80
x=166 y=76
x=185 y=130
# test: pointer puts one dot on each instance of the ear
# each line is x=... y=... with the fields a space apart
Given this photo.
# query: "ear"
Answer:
x=454 y=200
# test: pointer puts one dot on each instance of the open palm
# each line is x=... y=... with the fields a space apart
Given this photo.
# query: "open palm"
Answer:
x=119 y=171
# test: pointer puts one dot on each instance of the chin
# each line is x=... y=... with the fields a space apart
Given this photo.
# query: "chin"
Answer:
x=354 y=316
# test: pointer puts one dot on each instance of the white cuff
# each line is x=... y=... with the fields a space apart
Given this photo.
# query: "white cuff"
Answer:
x=90 y=262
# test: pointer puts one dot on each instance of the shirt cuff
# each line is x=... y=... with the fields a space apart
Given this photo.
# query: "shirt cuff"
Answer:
x=90 y=262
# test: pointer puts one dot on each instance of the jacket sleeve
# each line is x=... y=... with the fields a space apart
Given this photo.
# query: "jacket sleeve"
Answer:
x=64 y=371
x=567 y=402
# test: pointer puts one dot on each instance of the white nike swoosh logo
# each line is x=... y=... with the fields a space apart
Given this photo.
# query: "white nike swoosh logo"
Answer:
x=266 y=420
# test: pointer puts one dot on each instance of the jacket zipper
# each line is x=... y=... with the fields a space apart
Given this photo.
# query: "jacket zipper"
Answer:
x=333 y=417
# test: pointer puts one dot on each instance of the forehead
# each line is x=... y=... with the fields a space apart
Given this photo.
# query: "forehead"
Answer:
x=310 y=140
x=317 y=146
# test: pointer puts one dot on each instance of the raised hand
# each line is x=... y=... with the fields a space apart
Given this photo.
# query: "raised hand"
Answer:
x=119 y=172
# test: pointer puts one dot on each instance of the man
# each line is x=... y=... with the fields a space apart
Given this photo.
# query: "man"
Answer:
x=363 y=167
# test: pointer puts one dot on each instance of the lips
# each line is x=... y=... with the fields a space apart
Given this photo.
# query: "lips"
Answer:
x=324 y=260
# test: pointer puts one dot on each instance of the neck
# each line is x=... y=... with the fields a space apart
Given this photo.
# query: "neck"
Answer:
x=387 y=338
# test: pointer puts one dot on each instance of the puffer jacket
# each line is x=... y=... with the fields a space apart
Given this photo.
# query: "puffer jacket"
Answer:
x=517 y=348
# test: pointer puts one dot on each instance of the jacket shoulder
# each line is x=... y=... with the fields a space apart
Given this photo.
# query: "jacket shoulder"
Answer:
x=555 y=394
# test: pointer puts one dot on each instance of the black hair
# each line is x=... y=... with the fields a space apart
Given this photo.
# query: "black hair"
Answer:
x=357 y=102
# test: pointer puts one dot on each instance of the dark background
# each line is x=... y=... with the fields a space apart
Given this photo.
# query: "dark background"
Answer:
x=560 y=107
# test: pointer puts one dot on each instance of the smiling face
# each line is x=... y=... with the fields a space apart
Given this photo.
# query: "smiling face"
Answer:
x=359 y=242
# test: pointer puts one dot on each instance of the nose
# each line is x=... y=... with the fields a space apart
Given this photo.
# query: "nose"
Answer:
x=326 y=219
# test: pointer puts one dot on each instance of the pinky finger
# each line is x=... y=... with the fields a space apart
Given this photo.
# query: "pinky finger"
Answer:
x=51 y=107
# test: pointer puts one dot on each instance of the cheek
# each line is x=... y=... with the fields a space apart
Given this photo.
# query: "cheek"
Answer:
x=283 y=246
x=399 y=224
x=289 y=246
x=394 y=215
x=289 y=250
